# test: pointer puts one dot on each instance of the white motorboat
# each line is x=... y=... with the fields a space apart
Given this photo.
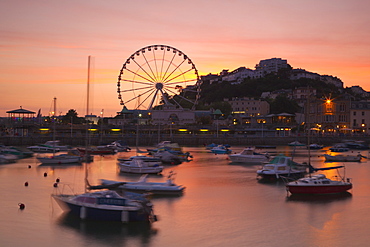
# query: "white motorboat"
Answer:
x=143 y=186
x=343 y=158
x=339 y=147
x=119 y=146
x=42 y=148
x=248 y=155
x=137 y=165
x=282 y=166
x=59 y=159
x=56 y=144
x=151 y=161
x=315 y=146
x=7 y=158
x=221 y=149
x=49 y=147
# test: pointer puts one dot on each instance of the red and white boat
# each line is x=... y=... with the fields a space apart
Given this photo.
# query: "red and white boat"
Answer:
x=319 y=184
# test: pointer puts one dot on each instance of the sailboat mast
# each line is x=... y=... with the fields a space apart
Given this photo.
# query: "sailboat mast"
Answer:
x=87 y=124
x=88 y=86
x=54 y=127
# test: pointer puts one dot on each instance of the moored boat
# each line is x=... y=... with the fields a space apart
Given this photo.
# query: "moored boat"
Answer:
x=296 y=143
x=248 y=155
x=97 y=150
x=150 y=161
x=138 y=166
x=282 y=166
x=221 y=149
x=315 y=146
x=343 y=158
x=7 y=158
x=42 y=148
x=169 y=158
x=106 y=205
x=143 y=186
x=56 y=144
x=339 y=147
x=21 y=153
x=320 y=184
x=59 y=159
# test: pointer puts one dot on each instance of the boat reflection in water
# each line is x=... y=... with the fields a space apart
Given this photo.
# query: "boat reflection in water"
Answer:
x=109 y=233
x=319 y=198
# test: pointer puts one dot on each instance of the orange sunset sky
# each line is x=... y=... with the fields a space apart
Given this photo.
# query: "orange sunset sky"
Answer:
x=44 y=45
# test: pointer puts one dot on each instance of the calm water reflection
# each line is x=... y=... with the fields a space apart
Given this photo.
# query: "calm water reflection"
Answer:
x=223 y=205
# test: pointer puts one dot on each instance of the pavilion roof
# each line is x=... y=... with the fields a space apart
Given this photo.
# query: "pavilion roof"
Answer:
x=21 y=111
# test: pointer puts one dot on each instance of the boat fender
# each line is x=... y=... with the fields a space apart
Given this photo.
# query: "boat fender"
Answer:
x=21 y=206
x=83 y=213
x=155 y=218
x=124 y=216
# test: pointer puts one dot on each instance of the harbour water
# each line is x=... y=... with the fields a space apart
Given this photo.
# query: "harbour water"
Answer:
x=223 y=205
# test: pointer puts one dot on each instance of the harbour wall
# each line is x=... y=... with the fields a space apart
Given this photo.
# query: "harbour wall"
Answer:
x=183 y=140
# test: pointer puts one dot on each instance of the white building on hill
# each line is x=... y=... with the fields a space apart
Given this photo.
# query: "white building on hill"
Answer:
x=271 y=65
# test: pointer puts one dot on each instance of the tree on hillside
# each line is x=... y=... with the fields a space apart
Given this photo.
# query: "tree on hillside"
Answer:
x=283 y=104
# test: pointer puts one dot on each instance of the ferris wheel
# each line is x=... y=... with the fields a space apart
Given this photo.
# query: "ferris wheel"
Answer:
x=158 y=75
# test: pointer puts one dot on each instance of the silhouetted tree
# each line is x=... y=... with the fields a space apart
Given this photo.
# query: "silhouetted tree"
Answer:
x=283 y=104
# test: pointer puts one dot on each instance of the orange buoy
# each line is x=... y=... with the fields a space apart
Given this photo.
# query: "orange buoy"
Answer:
x=21 y=205
x=26 y=184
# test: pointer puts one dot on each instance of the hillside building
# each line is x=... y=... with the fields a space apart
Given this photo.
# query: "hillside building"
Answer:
x=248 y=106
x=237 y=76
x=296 y=74
x=360 y=116
x=272 y=65
x=329 y=115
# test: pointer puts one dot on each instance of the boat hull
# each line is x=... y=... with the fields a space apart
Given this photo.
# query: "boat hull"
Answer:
x=97 y=151
x=154 y=191
x=220 y=151
x=342 y=158
x=56 y=161
x=140 y=170
x=328 y=189
x=100 y=214
x=277 y=176
x=235 y=158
